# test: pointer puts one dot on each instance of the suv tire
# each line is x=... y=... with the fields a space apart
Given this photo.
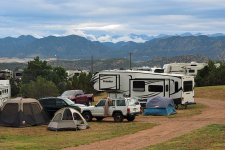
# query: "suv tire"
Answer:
x=130 y=118
x=118 y=117
x=99 y=118
x=87 y=116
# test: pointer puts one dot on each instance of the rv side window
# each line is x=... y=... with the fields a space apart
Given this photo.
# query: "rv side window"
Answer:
x=139 y=86
x=155 y=88
x=159 y=71
x=188 y=85
x=191 y=71
x=176 y=86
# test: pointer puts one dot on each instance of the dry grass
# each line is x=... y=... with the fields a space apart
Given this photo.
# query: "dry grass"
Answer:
x=211 y=92
x=190 y=111
x=40 y=138
x=210 y=137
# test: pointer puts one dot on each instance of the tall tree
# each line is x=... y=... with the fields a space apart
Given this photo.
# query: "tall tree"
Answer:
x=38 y=68
x=34 y=69
x=39 y=88
x=211 y=75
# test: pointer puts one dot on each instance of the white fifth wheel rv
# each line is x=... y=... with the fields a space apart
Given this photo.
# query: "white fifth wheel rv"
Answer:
x=184 y=68
x=5 y=91
x=145 y=84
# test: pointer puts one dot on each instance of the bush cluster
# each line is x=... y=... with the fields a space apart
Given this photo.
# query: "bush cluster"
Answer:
x=41 y=80
x=211 y=75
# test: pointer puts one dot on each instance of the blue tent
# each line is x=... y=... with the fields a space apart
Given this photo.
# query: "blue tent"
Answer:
x=159 y=106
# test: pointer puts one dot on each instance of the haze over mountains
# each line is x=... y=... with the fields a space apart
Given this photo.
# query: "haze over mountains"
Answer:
x=77 y=47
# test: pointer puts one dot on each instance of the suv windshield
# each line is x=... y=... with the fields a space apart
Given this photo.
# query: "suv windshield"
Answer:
x=132 y=101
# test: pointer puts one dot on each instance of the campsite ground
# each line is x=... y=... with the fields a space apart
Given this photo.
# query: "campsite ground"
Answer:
x=142 y=133
x=210 y=111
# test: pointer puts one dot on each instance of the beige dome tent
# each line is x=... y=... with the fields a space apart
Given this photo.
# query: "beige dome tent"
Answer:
x=67 y=119
x=21 y=112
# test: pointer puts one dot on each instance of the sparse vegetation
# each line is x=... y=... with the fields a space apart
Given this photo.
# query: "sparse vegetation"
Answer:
x=210 y=92
x=190 y=111
x=40 y=138
x=210 y=137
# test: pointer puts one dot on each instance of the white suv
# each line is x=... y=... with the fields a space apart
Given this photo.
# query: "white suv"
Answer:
x=118 y=109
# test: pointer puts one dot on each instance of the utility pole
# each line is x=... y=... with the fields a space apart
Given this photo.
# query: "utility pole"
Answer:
x=130 y=59
x=92 y=63
x=56 y=60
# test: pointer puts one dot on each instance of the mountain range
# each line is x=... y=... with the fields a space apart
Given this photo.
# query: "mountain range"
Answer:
x=77 y=47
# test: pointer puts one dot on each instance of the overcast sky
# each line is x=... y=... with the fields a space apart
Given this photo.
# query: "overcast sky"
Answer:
x=97 y=17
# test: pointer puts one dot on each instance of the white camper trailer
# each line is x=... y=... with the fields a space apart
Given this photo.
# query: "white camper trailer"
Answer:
x=145 y=84
x=184 y=68
x=5 y=91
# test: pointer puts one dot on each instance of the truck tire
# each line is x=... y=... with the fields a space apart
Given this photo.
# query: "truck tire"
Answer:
x=118 y=117
x=87 y=116
x=130 y=118
x=99 y=118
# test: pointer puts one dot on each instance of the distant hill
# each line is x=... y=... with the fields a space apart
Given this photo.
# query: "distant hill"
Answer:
x=76 y=47
x=113 y=63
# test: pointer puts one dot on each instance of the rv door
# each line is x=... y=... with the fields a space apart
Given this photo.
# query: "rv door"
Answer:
x=188 y=91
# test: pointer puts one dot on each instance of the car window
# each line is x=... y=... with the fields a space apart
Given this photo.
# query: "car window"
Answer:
x=68 y=93
x=101 y=103
x=78 y=94
x=68 y=101
x=60 y=103
x=48 y=102
x=132 y=101
x=120 y=103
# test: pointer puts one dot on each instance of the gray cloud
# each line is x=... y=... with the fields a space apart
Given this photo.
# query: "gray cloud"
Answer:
x=63 y=17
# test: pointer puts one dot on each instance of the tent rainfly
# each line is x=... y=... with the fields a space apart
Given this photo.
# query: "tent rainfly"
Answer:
x=22 y=112
x=159 y=106
x=67 y=119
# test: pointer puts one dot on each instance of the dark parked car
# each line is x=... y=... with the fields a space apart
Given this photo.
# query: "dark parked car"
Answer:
x=79 y=97
x=52 y=104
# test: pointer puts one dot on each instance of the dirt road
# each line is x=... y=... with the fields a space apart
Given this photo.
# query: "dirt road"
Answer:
x=168 y=128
